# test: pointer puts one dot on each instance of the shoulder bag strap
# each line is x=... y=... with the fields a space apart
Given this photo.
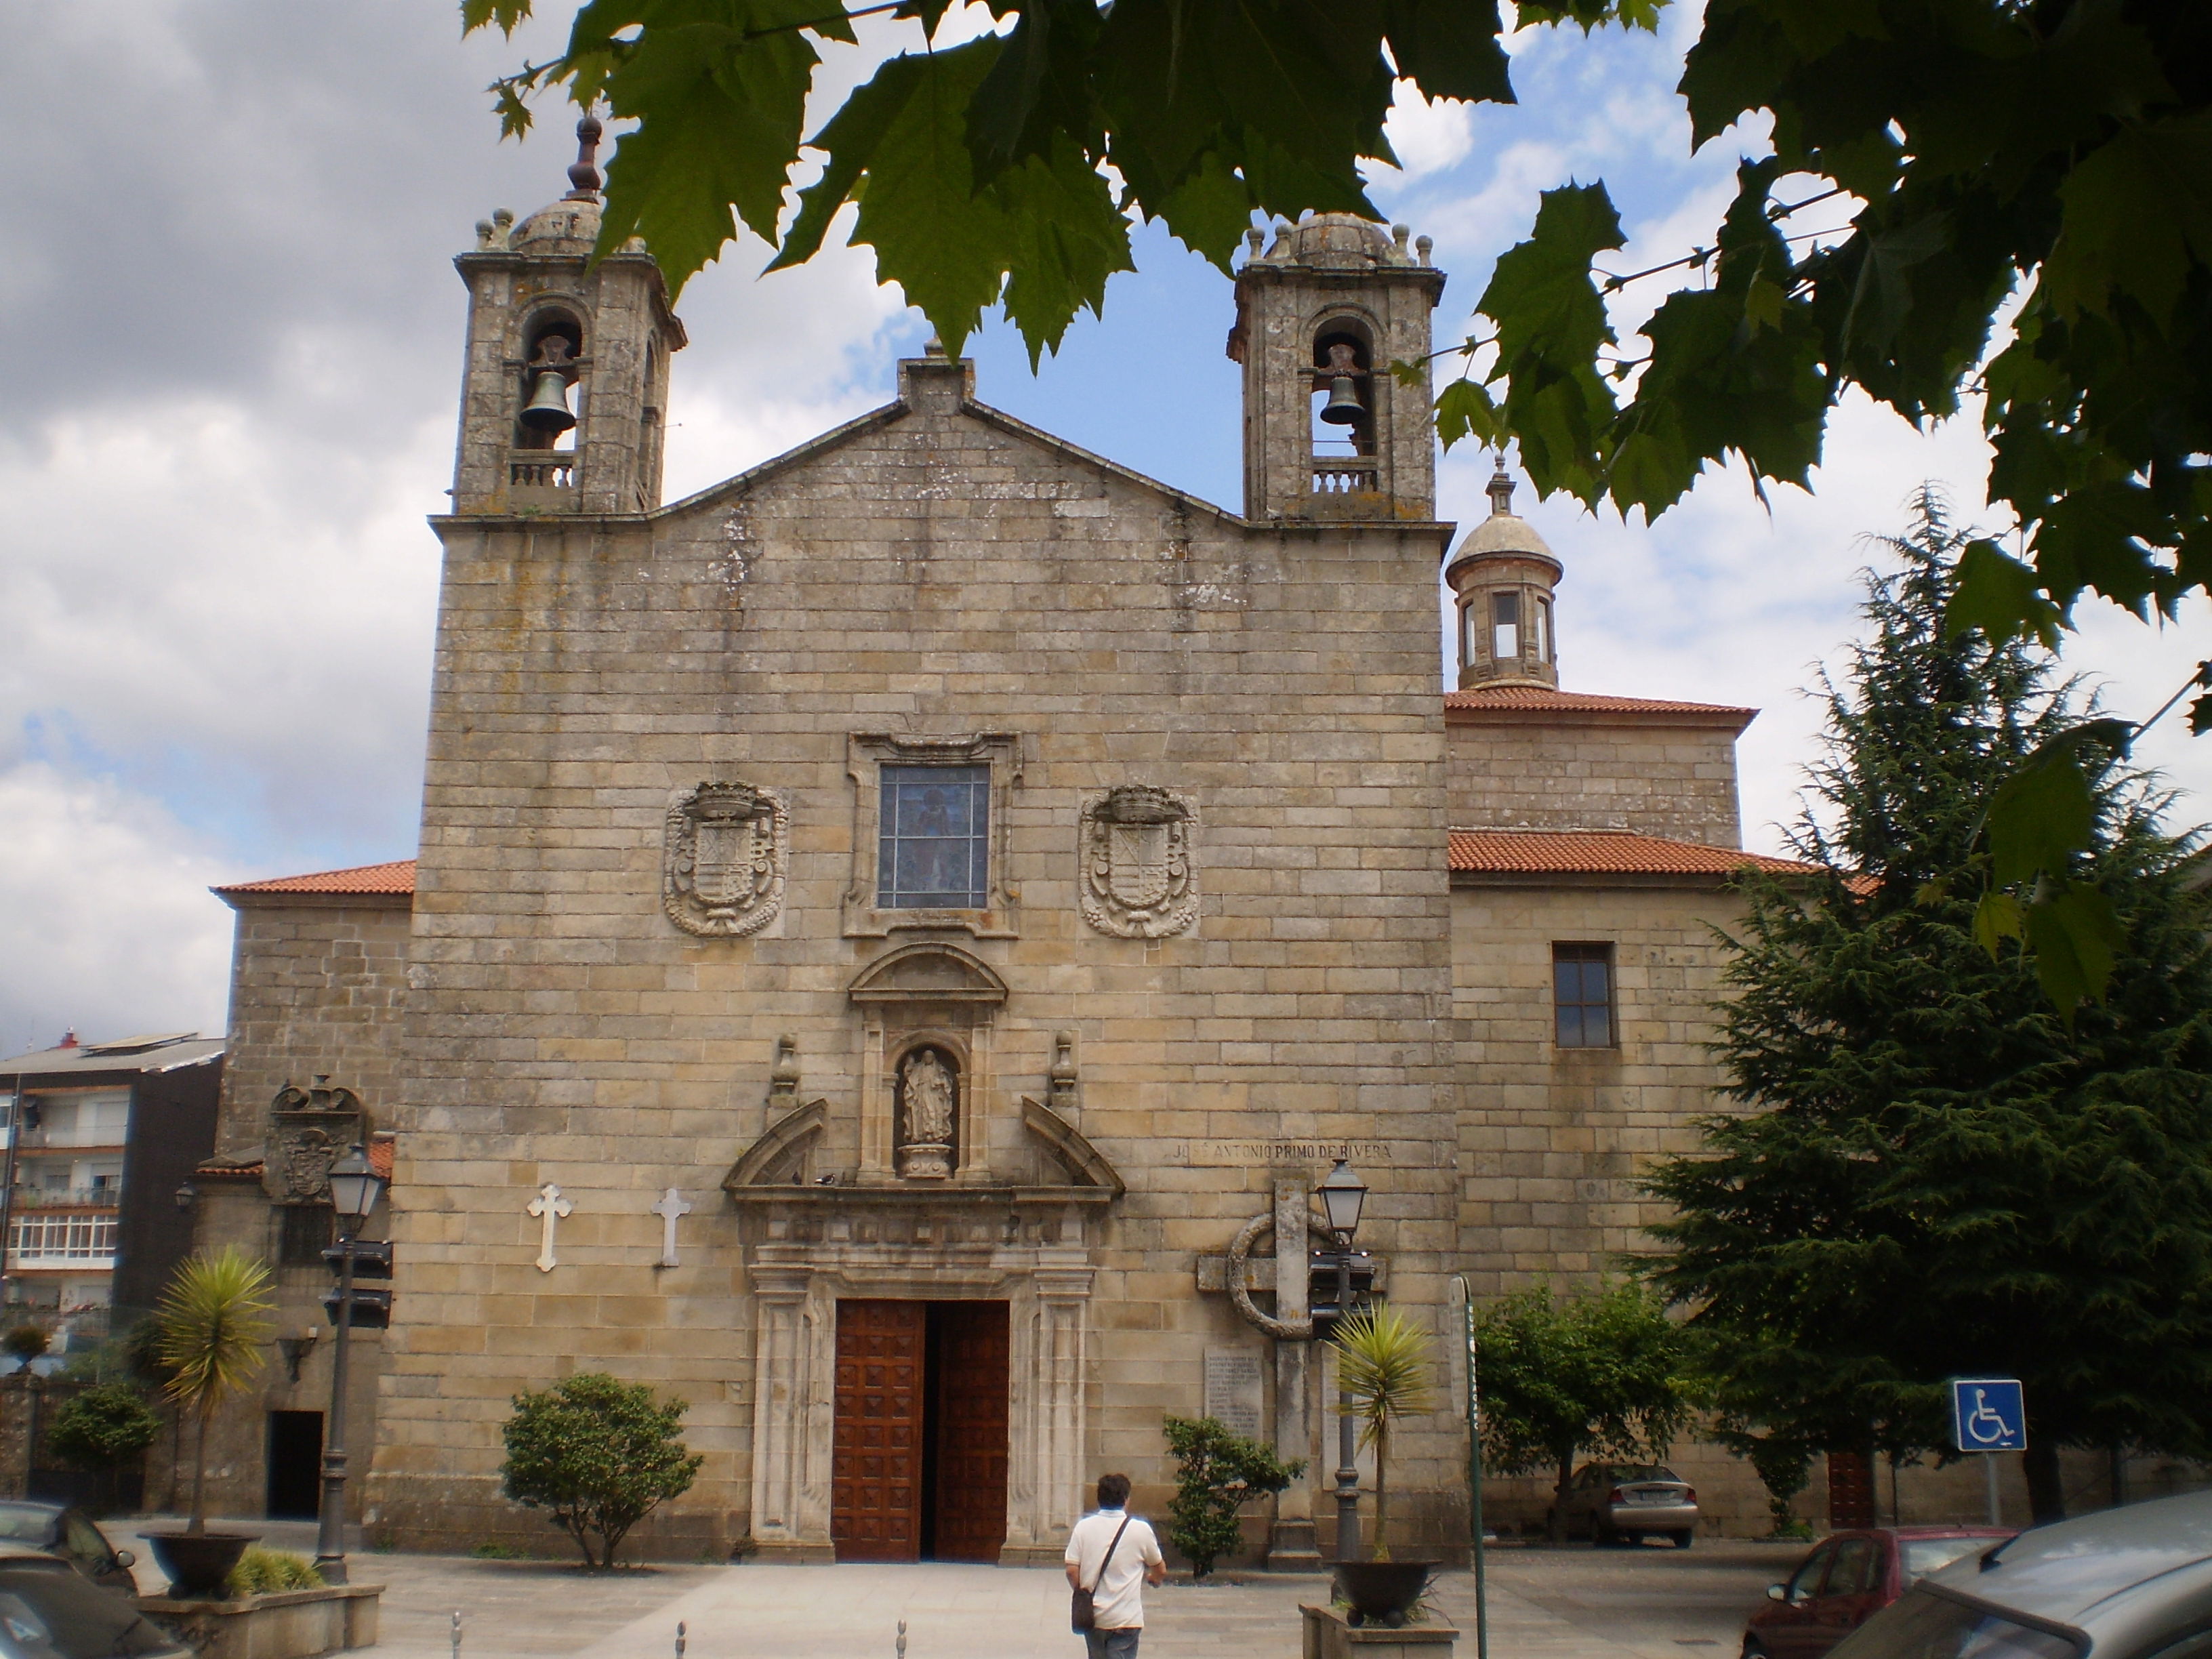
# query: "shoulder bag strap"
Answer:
x=1110 y=1548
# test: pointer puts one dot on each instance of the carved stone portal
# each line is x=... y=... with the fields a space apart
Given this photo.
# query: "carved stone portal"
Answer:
x=1139 y=879
x=929 y=1108
x=723 y=869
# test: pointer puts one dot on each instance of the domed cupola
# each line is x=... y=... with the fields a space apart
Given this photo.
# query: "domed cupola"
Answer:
x=1503 y=577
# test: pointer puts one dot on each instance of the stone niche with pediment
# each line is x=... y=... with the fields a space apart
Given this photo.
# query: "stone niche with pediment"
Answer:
x=926 y=1073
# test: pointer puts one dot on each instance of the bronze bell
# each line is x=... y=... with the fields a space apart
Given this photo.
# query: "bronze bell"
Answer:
x=1343 y=407
x=548 y=408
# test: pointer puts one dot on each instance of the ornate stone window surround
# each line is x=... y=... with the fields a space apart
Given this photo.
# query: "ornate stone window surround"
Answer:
x=866 y=754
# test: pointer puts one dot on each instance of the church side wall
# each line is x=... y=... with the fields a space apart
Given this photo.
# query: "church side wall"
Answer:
x=1674 y=782
x=937 y=576
x=314 y=987
x=1553 y=1139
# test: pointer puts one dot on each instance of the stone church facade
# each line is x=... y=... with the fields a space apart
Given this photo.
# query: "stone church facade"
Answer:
x=896 y=935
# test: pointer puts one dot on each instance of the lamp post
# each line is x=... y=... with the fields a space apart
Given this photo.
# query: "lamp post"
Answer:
x=1342 y=1195
x=355 y=1187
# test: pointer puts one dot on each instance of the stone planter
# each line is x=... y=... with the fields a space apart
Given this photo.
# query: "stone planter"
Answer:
x=198 y=1563
x=1328 y=1636
x=289 y=1624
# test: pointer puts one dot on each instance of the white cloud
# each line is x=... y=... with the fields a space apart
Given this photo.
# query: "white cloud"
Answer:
x=1427 y=135
x=105 y=921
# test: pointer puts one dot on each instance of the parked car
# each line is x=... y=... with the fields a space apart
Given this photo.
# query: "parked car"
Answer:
x=67 y=1532
x=1847 y=1579
x=1621 y=1503
x=2133 y=1583
x=48 y=1610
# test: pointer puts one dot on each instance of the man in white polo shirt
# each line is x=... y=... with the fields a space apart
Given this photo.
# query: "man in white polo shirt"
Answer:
x=1115 y=1573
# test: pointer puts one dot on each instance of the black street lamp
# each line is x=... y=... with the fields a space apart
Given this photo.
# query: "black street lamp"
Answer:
x=355 y=1187
x=1342 y=1196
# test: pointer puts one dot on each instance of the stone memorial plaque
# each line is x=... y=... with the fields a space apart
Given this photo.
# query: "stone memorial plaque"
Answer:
x=1251 y=1154
x=1232 y=1390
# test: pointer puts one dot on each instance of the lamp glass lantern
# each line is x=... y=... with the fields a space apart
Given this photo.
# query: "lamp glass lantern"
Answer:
x=1343 y=1194
x=355 y=1185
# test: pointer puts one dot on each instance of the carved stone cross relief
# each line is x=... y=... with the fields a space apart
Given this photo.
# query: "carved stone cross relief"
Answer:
x=670 y=1207
x=548 y=1207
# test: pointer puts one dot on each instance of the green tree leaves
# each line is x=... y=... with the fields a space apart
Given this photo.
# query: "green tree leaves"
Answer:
x=982 y=169
x=1217 y=1472
x=600 y=1454
x=1931 y=1174
x=1595 y=1373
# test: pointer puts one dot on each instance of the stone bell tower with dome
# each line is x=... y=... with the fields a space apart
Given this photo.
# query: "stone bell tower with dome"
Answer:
x=1329 y=435
x=565 y=394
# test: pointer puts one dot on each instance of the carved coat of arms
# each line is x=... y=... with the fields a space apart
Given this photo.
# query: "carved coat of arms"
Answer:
x=308 y=1130
x=723 y=869
x=1139 y=878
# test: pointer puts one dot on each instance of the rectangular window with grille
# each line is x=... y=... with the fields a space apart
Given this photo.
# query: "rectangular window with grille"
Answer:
x=1581 y=995
x=934 y=852
x=306 y=1233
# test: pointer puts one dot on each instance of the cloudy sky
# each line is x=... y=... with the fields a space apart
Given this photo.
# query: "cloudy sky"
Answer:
x=231 y=334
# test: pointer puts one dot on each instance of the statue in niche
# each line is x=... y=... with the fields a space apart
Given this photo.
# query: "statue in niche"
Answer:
x=928 y=1102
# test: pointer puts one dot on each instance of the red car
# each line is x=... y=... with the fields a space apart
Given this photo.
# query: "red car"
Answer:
x=1847 y=1578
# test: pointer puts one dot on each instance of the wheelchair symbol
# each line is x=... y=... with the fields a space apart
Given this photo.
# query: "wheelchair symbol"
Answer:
x=1986 y=1426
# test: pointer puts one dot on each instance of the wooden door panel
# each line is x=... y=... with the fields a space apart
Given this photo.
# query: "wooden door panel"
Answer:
x=971 y=1431
x=875 y=1469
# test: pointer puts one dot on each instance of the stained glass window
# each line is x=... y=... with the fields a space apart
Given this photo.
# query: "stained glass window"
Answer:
x=934 y=852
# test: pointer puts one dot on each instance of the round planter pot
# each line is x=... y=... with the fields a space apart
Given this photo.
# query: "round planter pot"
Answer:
x=198 y=1565
x=1382 y=1592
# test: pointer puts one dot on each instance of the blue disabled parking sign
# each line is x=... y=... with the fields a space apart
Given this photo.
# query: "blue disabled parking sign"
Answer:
x=1988 y=1415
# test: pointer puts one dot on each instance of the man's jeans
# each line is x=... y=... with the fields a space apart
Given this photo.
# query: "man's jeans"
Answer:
x=1112 y=1643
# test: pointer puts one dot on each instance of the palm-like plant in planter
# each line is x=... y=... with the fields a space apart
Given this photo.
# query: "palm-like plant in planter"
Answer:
x=213 y=1323
x=1383 y=1364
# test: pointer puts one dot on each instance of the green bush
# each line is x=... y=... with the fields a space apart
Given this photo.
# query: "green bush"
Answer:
x=26 y=1342
x=600 y=1454
x=1217 y=1472
x=266 y=1573
x=105 y=1427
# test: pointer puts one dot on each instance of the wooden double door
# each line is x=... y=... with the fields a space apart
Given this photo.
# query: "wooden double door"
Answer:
x=918 y=1469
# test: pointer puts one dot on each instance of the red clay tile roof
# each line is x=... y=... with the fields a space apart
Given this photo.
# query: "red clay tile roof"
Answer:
x=396 y=876
x=380 y=1146
x=1599 y=852
x=1542 y=699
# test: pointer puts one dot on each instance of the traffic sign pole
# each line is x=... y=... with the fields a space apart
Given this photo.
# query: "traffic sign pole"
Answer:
x=1989 y=1415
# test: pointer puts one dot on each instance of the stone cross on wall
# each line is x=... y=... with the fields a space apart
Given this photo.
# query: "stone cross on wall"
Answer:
x=548 y=1207
x=670 y=1207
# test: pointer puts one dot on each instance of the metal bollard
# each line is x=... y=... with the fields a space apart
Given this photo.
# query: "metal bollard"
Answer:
x=457 y=1633
x=902 y=1639
x=679 y=1639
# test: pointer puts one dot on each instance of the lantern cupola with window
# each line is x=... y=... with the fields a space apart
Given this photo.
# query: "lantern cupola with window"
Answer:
x=1502 y=579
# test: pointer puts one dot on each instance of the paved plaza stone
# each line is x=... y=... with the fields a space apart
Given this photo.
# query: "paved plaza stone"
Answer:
x=1570 y=1603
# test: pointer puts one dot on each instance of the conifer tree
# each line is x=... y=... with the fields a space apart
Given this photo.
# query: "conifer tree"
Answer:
x=1932 y=1174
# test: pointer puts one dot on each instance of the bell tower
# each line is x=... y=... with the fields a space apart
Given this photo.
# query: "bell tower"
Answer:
x=565 y=395
x=1329 y=435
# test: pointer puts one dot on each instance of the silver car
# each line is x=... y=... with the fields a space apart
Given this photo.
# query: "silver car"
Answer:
x=2125 y=1584
x=1624 y=1503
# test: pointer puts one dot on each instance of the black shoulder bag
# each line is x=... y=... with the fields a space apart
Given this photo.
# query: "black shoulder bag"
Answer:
x=1082 y=1613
